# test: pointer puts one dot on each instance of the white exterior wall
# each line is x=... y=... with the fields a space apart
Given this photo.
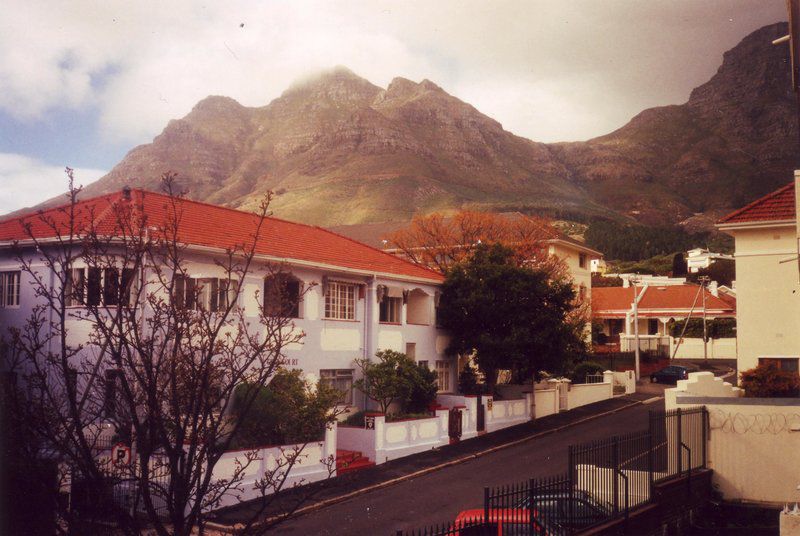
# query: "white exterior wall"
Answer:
x=582 y=394
x=328 y=344
x=768 y=294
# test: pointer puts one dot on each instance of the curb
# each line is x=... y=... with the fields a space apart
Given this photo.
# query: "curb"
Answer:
x=232 y=529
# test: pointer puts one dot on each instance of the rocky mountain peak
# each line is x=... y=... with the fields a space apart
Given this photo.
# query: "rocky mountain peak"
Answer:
x=338 y=149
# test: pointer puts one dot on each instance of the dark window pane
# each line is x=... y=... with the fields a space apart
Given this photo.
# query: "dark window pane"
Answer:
x=111 y=286
x=93 y=286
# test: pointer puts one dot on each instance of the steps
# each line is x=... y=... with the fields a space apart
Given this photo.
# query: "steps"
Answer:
x=348 y=461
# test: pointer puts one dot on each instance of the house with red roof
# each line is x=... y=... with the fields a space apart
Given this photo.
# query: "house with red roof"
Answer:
x=658 y=305
x=767 y=238
x=355 y=301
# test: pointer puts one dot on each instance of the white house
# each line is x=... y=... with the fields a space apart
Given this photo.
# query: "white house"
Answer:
x=699 y=258
x=359 y=299
x=767 y=278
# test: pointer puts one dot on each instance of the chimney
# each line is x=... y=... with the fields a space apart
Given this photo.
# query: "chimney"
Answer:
x=126 y=193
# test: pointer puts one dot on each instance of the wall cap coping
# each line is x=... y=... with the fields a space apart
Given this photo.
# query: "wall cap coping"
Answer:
x=733 y=401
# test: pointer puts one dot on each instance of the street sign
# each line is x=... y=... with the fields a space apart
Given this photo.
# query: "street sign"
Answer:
x=121 y=454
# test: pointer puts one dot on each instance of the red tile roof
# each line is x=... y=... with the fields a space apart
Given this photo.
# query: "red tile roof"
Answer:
x=779 y=205
x=658 y=299
x=202 y=224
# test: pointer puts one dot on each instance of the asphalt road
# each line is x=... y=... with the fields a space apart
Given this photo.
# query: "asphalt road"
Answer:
x=439 y=496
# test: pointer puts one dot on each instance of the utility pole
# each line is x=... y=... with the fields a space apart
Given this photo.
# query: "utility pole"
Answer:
x=704 y=279
x=634 y=280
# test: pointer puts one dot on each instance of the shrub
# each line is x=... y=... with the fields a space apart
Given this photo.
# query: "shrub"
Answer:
x=768 y=381
x=355 y=419
x=395 y=377
x=580 y=371
x=468 y=381
x=716 y=329
x=286 y=411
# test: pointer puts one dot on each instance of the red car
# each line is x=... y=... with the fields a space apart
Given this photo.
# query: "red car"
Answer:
x=501 y=522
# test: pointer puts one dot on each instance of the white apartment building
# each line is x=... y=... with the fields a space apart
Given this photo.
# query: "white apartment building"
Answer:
x=356 y=300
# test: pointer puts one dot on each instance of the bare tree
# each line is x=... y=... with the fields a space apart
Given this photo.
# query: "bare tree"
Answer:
x=123 y=346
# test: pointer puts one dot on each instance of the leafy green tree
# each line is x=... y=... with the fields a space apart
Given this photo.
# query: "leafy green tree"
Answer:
x=512 y=317
x=285 y=412
x=679 y=267
x=395 y=377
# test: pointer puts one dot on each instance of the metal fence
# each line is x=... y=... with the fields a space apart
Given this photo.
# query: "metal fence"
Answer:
x=606 y=479
x=594 y=378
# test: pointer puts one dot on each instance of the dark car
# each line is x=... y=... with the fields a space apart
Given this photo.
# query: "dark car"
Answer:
x=559 y=510
x=669 y=374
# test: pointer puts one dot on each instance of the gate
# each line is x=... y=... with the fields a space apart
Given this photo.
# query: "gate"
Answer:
x=481 y=415
x=563 y=396
x=454 y=425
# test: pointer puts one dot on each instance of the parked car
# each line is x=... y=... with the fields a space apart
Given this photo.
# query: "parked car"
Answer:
x=501 y=522
x=669 y=374
x=554 y=510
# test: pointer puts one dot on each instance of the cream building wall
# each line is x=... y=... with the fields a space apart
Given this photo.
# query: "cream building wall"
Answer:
x=768 y=293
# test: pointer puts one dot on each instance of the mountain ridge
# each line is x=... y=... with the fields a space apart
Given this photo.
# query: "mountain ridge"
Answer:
x=338 y=149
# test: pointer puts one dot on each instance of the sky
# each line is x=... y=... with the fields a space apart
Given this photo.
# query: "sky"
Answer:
x=82 y=83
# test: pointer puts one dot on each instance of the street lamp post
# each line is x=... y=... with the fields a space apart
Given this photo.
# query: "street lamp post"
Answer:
x=633 y=281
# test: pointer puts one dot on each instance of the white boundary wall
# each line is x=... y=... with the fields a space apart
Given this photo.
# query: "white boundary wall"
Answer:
x=546 y=402
x=692 y=348
x=582 y=394
x=753 y=443
x=505 y=413
x=390 y=440
x=315 y=462
x=468 y=404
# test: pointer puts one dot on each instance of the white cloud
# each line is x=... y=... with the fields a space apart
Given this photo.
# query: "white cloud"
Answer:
x=143 y=63
x=25 y=181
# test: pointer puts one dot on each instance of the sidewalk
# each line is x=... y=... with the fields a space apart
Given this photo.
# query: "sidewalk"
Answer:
x=352 y=484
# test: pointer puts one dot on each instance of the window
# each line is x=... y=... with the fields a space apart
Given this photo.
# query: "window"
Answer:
x=342 y=381
x=418 y=308
x=390 y=309
x=443 y=376
x=210 y=294
x=582 y=292
x=411 y=350
x=788 y=364
x=282 y=296
x=340 y=301
x=582 y=260
x=652 y=326
x=110 y=393
x=100 y=286
x=9 y=289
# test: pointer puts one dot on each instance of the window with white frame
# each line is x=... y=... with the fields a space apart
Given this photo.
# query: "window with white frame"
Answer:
x=443 y=376
x=210 y=294
x=100 y=286
x=390 y=310
x=340 y=301
x=342 y=381
x=9 y=288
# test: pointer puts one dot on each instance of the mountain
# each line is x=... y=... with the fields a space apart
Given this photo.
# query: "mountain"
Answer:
x=337 y=149
x=736 y=139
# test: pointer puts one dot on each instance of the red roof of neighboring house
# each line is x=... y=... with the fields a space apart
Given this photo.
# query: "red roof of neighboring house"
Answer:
x=614 y=301
x=779 y=205
x=212 y=226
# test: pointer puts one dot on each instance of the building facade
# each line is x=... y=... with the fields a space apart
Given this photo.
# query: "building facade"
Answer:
x=767 y=278
x=354 y=299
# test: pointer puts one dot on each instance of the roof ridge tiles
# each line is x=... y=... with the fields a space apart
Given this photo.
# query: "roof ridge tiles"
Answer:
x=753 y=204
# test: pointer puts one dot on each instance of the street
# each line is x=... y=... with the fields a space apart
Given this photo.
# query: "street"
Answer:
x=439 y=496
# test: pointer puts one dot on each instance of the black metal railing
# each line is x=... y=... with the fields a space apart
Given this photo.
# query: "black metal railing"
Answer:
x=606 y=479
